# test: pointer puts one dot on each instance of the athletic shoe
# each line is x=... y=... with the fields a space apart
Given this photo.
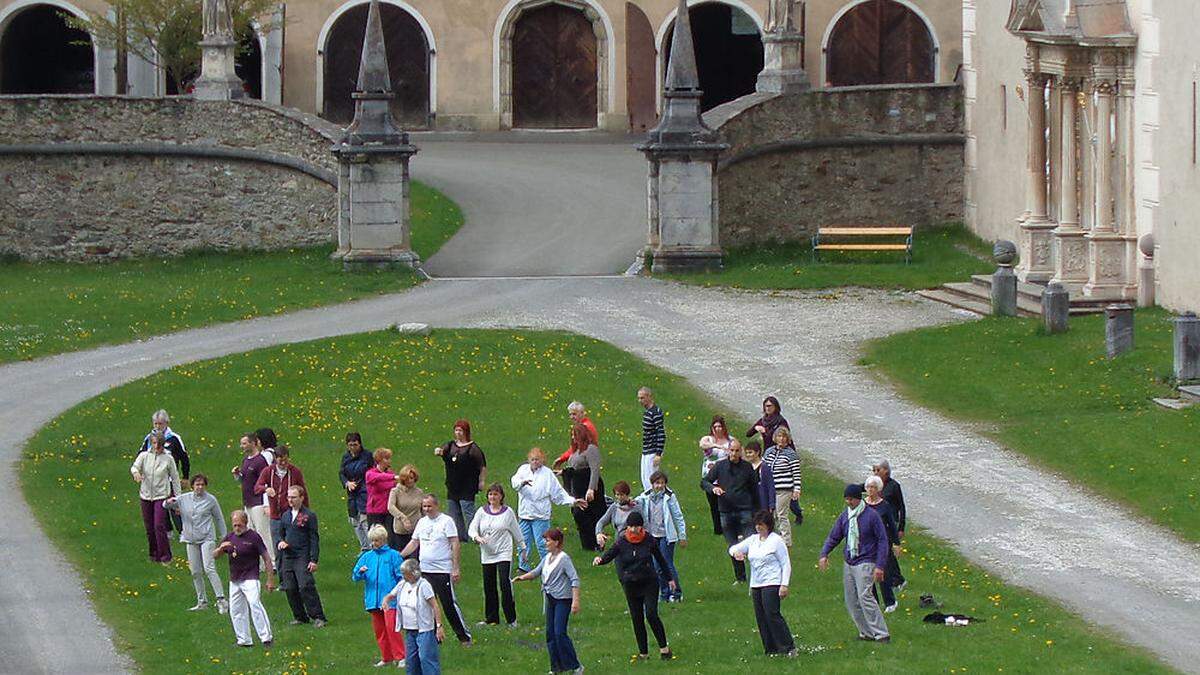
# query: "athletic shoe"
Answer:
x=900 y=587
x=296 y=622
x=382 y=664
x=319 y=623
x=242 y=645
x=482 y=623
x=401 y=664
x=200 y=606
x=514 y=625
x=268 y=644
x=792 y=653
x=666 y=656
x=222 y=606
x=890 y=608
x=885 y=639
x=864 y=638
x=578 y=671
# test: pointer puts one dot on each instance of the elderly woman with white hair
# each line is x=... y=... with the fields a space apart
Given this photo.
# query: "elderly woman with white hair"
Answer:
x=378 y=568
x=419 y=618
x=887 y=513
x=578 y=414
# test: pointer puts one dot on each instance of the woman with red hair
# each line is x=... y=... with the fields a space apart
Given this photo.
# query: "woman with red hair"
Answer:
x=380 y=480
x=584 y=483
x=466 y=473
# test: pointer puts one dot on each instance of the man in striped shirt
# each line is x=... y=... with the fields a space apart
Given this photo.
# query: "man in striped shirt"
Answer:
x=654 y=436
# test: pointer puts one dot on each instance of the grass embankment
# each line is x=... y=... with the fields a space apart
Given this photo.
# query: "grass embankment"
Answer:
x=1058 y=400
x=404 y=393
x=939 y=255
x=50 y=308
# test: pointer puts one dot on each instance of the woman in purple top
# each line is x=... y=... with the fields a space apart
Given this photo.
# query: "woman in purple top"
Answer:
x=765 y=495
x=246 y=549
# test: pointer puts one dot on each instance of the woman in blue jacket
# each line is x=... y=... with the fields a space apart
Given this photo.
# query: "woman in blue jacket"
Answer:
x=379 y=567
x=664 y=522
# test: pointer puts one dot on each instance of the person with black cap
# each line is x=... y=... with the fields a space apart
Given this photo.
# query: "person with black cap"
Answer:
x=866 y=555
x=636 y=552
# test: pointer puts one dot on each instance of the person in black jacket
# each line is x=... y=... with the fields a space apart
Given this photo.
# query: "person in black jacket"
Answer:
x=887 y=513
x=300 y=549
x=353 y=476
x=894 y=496
x=735 y=484
x=635 y=553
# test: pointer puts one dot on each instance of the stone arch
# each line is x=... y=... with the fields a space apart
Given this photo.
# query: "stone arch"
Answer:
x=395 y=13
x=717 y=58
x=879 y=42
x=70 y=59
x=502 y=54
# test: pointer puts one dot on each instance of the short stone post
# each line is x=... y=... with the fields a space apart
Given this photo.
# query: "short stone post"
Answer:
x=1056 y=308
x=783 y=52
x=218 y=79
x=1187 y=348
x=1145 y=292
x=1118 y=329
x=682 y=179
x=1004 y=280
x=374 y=155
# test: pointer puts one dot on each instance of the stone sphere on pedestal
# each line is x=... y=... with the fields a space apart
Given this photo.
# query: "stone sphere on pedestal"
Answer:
x=1004 y=252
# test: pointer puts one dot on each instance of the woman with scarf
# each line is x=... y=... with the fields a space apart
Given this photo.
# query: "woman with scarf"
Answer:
x=636 y=554
x=617 y=513
x=715 y=447
x=771 y=421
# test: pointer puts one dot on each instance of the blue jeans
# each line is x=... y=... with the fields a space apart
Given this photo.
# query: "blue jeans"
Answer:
x=532 y=531
x=558 y=643
x=421 y=653
x=462 y=511
x=670 y=573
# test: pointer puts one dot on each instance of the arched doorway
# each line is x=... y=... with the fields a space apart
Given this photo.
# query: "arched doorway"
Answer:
x=554 y=66
x=879 y=42
x=409 y=62
x=249 y=62
x=729 y=51
x=639 y=69
x=39 y=54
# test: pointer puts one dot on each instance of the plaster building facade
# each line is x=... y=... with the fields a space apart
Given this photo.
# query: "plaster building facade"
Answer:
x=498 y=64
x=1081 y=121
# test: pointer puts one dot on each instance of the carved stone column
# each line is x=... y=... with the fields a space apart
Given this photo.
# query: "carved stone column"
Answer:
x=218 y=81
x=1106 y=246
x=1070 y=264
x=1037 y=265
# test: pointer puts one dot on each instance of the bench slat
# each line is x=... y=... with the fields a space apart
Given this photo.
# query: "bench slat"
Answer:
x=863 y=247
x=865 y=230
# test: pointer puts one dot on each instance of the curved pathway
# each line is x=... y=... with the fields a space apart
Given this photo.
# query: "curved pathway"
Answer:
x=1014 y=519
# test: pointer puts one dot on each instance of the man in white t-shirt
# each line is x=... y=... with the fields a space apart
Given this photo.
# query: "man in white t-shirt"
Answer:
x=435 y=537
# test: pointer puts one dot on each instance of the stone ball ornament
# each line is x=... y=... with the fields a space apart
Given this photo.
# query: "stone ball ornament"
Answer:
x=1004 y=252
x=1146 y=245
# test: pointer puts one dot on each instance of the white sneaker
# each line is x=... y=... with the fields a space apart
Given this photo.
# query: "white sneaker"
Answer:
x=890 y=608
x=401 y=663
x=513 y=625
x=222 y=606
x=381 y=664
x=900 y=588
x=198 y=607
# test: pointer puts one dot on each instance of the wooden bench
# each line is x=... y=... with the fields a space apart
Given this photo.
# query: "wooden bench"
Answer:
x=844 y=233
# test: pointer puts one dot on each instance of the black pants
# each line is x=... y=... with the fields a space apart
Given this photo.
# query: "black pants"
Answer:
x=642 y=598
x=735 y=525
x=892 y=574
x=494 y=573
x=774 y=631
x=384 y=519
x=886 y=587
x=714 y=512
x=585 y=522
x=301 y=589
x=444 y=590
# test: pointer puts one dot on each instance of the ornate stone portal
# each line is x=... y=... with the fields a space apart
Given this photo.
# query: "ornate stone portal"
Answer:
x=218 y=79
x=373 y=156
x=682 y=154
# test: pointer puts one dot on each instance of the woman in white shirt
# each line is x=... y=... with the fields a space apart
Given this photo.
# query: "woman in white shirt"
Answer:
x=770 y=572
x=715 y=447
x=495 y=529
x=538 y=489
x=155 y=471
x=419 y=618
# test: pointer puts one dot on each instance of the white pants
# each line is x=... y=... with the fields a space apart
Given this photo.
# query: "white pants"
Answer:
x=245 y=601
x=202 y=564
x=260 y=522
x=648 y=469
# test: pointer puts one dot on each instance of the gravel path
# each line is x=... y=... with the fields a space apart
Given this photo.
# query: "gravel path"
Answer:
x=1025 y=526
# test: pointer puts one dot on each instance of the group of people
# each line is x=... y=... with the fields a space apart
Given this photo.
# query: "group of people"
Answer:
x=411 y=551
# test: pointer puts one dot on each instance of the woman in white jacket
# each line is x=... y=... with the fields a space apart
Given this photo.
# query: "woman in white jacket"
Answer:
x=203 y=527
x=538 y=489
x=495 y=529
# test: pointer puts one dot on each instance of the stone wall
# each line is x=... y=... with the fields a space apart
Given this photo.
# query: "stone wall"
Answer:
x=96 y=178
x=853 y=155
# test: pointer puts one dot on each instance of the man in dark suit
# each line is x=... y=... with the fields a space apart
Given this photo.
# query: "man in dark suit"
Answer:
x=299 y=550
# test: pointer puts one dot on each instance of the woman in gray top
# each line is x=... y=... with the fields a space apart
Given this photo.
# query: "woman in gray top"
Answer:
x=203 y=527
x=560 y=584
x=583 y=481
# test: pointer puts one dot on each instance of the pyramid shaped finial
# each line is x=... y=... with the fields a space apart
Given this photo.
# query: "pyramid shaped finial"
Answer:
x=682 y=74
x=373 y=75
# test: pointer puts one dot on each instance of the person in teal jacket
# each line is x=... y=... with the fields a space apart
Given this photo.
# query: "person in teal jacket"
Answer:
x=379 y=568
x=664 y=521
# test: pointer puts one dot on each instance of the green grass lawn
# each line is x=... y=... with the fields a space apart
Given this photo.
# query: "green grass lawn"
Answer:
x=405 y=392
x=1058 y=400
x=939 y=255
x=49 y=308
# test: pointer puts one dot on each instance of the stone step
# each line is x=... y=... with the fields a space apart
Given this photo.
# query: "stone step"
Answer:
x=1190 y=392
x=1025 y=305
x=968 y=303
x=1033 y=292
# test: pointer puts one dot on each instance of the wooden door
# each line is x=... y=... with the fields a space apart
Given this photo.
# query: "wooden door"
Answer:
x=639 y=69
x=408 y=64
x=879 y=42
x=554 y=69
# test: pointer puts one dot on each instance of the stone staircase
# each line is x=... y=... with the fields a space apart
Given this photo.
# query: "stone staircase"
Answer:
x=976 y=296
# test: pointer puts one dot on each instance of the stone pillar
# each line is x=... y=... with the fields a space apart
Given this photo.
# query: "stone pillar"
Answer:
x=1146 y=275
x=218 y=80
x=343 y=219
x=1106 y=246
x=1118 y=329
x=1056 y=308
x=1036 y=264
x=373 y=158
x=783 y=52
x=682 y=153
x=1004 y=281
x=1187 y=348
x=1070 y=261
